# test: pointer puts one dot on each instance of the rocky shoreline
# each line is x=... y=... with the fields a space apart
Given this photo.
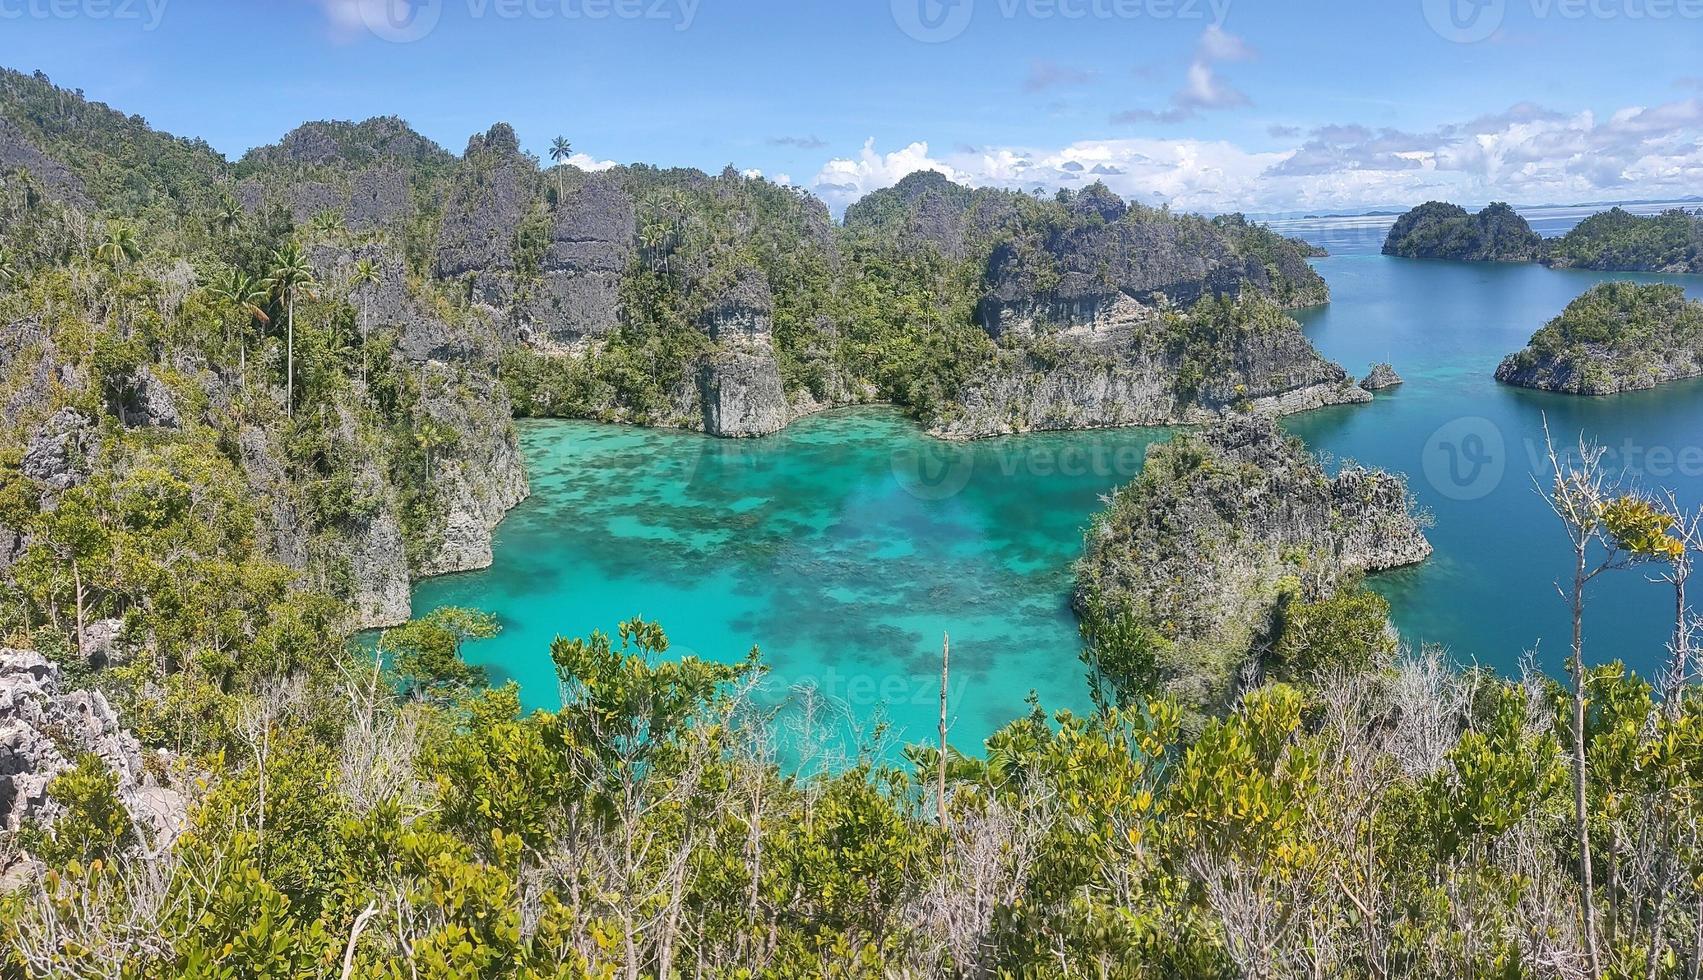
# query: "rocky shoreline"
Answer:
x=1195 y=555
x=1616 y=337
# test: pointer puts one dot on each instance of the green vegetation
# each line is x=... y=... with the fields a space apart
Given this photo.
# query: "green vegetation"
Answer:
x=1618 y=241
x=1613 y=241
x=1618 y=336
x=201 y=454
x=1436 y=230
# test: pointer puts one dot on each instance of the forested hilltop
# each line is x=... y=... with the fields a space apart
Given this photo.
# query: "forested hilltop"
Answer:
x=1610 y=241
x=246 y=403
x=1618 y=336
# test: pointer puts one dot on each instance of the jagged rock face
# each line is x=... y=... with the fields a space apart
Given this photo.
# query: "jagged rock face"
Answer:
x=480 y=478
x=742 y=395
x=321 y=144
x=498 y=186
x=30 y=366
x=1073 y=277
x=56 y=456
x=1195 y=549
x=591 y=246
x=740 y=383
x=150 y=404
x=741 y=311
x=1382 y=376
x=1120 y=370
x=43 y=730
x=282 y=532
x=51 y=177
x=934 y=212
x=378 y=565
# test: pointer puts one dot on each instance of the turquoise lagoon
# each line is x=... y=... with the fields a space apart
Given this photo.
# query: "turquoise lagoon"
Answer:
x=849 y=545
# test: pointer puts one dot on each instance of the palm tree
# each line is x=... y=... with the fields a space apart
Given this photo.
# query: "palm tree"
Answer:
x=560 y=151
x=327 y=225
x=291 y=274
x=8 y=270
x=121 y=245
x=247 y=294
x=227 y=218
x=28 y=196
x=362 y=279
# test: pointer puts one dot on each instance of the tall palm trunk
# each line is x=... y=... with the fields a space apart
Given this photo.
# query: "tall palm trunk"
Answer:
x=290 y=355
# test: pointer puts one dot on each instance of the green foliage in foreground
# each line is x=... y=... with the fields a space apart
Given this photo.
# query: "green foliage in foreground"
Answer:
x=1399 y=821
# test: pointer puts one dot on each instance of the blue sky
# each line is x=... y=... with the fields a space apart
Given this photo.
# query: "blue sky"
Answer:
x=1206 y=104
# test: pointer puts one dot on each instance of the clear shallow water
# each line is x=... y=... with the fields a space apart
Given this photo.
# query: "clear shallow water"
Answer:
x=846 y=546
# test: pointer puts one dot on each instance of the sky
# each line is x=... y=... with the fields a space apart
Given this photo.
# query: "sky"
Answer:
x=1208 y=105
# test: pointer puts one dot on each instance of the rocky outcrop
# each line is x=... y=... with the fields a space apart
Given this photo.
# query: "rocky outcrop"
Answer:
x=1618 y=336
x=479 y=477
x=19 y=155
x=591 y=245
x=1436 y=230
x=739 y=383
x=1382 y=376
x=44 y=730
x=1072 y=278
x=1196 y=552
x=498 y=187
x=1126 y=367
x=57 y=454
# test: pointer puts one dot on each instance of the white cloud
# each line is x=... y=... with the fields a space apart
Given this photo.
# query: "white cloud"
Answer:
x=1217 y=44
x=842 y=180
x=586 y=161
x=1202 y=87
x=349 y=18
x=1527 y=155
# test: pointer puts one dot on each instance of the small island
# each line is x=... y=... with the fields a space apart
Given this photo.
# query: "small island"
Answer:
x=1230 y=540
x=1436 y=230
x=1383 y=375
x=1618 y=336
x=1619 y=241
x=1615 y=240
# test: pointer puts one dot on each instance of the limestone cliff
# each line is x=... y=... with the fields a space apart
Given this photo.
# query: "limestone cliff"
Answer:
x=1135 y=364
x=1195 y=552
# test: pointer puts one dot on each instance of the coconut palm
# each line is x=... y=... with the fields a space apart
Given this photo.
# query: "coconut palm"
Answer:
x=247 y=295
x=121 y=246
x=326 y=225
x=560 y=151
x=227 y=218
x=291 y=275
x=361 y=280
